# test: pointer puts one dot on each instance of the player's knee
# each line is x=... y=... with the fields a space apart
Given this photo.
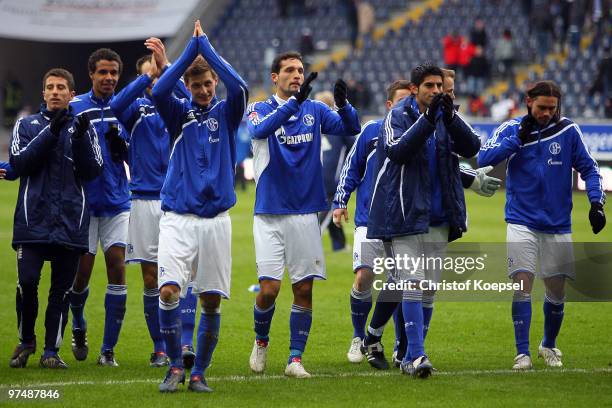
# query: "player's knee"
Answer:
x=211 y=303
x=363 y=279
x=169 y=293
x=303 y=292
x=149 y=276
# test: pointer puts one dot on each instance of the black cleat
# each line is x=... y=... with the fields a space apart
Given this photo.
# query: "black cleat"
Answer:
x=375 y=354
x=21 y=354
x=52 y=361
x=188 y=357
x=80 y=349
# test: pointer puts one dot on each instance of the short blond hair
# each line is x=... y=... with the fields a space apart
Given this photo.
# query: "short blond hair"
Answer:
x=326 y=97
x=450 y=73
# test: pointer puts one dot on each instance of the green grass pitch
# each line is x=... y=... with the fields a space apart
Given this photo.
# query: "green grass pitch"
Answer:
x=471 y=344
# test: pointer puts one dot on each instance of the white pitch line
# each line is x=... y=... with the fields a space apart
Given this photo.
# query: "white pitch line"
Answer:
x=239 y=378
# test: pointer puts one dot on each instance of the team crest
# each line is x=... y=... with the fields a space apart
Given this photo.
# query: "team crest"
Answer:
x=253 y=116
x=212 y=124
x=554 y=148
x=308 y=120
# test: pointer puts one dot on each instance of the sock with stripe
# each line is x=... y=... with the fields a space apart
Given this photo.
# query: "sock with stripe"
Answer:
x=208 y=335
x=150 y=300
x=412 y=310
x=553 y=318
x=187 y=307
x=361 y=304
x=521 y=318
x=263 y=321
x=114 y=304
x=300 y=321
x=77 y=306
x=170 y=328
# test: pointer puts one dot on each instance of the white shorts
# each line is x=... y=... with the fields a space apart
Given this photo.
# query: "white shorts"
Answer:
x=198 y=249
x=143 y=232
x=291 y=240
x=109 y=231
x=527 y=248
x=430 y=247
x=365 y=250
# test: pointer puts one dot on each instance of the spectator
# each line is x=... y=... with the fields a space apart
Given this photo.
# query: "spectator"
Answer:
x=466 y=52
x=504 y=54
x=477 y=72
x=358 y=94
x=452 y=49
x=603 y=82
x=541 y=20
x=478 y=35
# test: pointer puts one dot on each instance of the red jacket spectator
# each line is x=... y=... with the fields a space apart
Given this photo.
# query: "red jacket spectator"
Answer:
x=452 y=48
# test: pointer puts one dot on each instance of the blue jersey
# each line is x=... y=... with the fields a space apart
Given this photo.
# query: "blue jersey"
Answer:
x=358 y=172
x=287 y=152
x=200 y=178
x=108 y=194
x=149 y=140
x=539 y=173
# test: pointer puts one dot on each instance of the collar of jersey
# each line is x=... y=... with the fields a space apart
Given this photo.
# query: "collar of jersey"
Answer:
x=99 y=101
x=279 y=101
x=205 y=109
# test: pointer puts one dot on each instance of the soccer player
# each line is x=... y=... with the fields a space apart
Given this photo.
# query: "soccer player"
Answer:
x=109 y=204
x=286 y=132
x=53 y=153
x=541 y=149
x=148 y=153
x=417 y=197
x=195 y=228
x=357 y=173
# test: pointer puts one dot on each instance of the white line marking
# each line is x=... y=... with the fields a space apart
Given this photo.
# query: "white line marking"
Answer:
x=387 y=373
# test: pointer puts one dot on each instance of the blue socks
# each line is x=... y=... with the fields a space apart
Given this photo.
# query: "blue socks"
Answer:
x=188 y=315
x=150 y=300
x=77 y=305
x=553 y=317
x=413 y=318
x=300 y=321
x=114 y=303
x=521 y=318
x=208 y=335
x=361 y=304
x=263 y=320
x=170 y=327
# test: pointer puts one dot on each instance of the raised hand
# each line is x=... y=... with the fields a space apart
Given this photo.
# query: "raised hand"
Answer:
x=156 y=46
x=340 y=92
x=305 y=89
x=197 y=29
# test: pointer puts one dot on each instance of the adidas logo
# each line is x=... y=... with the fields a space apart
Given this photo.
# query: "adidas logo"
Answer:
x=35 y=122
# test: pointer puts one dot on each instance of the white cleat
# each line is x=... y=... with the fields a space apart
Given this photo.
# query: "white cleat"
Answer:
x=258 y=358
x=551 y=356
x=296 y=370
x=354 y=354
x=522 y=362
